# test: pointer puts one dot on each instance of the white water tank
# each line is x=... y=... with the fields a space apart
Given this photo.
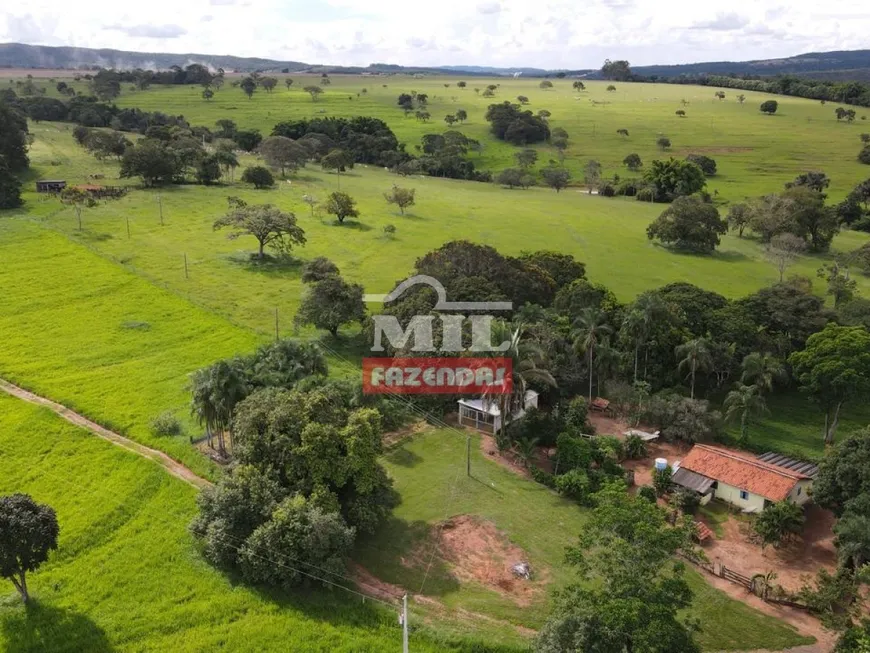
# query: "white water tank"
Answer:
x=661 y=463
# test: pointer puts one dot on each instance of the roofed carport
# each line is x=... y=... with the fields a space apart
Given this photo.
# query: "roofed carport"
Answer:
x=692 y=480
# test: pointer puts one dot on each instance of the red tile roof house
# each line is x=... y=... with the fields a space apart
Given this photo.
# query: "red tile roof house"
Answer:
x=742 y=480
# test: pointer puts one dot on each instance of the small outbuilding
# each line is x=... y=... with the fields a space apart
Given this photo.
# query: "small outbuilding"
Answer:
x=485 y=414
x=50 y=185
x=742 y=480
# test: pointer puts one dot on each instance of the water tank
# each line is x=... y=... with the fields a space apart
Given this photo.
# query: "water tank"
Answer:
x=661 y=463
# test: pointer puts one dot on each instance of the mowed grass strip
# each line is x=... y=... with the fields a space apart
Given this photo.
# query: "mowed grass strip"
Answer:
x=84 y=332
x=127 y=575
x=429 y=472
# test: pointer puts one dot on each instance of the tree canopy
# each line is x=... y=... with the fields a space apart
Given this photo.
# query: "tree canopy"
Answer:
x=689 y=223
x=265 y=222
x=28 y=533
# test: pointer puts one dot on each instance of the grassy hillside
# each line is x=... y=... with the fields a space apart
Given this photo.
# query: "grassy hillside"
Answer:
x=756 y=153
x=127 y=575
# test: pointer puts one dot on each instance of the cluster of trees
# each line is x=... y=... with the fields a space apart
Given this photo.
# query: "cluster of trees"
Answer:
x=173 y=157
x=364 y=139
x=444 y=155
x=13 y=154
x=852 y=92
x=106 y=83
x=508 y=122
x=799 y=210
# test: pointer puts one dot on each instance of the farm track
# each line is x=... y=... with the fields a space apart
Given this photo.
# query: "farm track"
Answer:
x=172 y=466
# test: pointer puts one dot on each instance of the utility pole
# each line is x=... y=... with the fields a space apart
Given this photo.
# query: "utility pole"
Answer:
x=405 y=624
x=186 y=276
x=468 y=454
x=277 y=334
x=128 y=226
x=160 y=204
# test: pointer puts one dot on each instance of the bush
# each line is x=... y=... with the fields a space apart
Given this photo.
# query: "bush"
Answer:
x=166 y=424
x=259 y=176
x=705 y=163
x=647 y=492
x=542 y=477
x=777 y=522
x=575 y=485
x=635 y=447
x=686 y=500
x=627 y=187
x=662 y=480
x=607 y=189
x=611 y=446
x=645 y=195
x=769 y=107
x=864 y=155
x=577 y=417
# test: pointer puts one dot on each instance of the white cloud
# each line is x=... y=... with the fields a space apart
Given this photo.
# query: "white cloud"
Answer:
x=151 y=31
x=510 y=33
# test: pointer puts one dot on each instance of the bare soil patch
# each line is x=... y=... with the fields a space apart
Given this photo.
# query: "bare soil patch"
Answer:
x=643 y=467
x=713 y=150
x=394 y=437
x=479 y=552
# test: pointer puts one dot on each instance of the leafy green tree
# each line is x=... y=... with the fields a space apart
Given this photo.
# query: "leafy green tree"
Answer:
x=317 y=541
x=833 y=370
x=693 y=357
x=663 y=143
x=259 y=176
x=705 y=163
x=283 y=153
x=844 y=473
x=265 y=222
x=401 y=197
x=631 y=588
x=341 y=205
x=522 y=99
x=864 y=155
x=154 y=162
x=633 y=162
x=227 y=160
x=592 y=174
x=578 y=86
x=10 y=188
x=248 y=139
x=215 y=391
x=814 y=180
x=555 y=177
x=853 y=533
x=514 y=178
x=545 y=84
x=338 y=160
x=207 y=94
x=461 y=115
x=526 y=158
x=590 y=328
x=209 y=170
x=249 y=86
x=762 y=370
x=314 y=91
x=840 y=285
x=769 y=107
x=739 y=217
x=330 y=303
x=318 y=269
x=288 y=82
x=673 y=178
x=777 y=522
x=689 y=223
x=661 y=479
x=28 y=532
x=269 y=84
x=742 y=403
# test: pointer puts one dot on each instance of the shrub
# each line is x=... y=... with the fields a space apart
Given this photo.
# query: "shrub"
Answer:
x=777 y=522
x=647 y=492
x=166 y=424
x=686 y=500
x=575 y=485
x=769 y=107
x=542 y=477
x=864 y=155
x=635 y=447
x=389 y=230
x=627 y=187
x=705 y=163
x=611 y=446
x=662 y=480
x=607 y=189
x=259 y=176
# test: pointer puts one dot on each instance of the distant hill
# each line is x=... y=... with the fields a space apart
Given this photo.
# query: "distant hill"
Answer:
x=838 y=65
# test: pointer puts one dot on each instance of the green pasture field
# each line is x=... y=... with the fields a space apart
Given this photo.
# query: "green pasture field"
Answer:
x=607 y=234
x=128 y=576
x=756 y=153
x=429 y=471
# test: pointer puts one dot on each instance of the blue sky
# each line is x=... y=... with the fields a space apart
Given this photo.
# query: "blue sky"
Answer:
x=547 y=33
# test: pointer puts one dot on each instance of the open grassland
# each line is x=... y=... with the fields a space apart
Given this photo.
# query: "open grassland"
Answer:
x=429 y=471
x=128 y=576
x=83 y=331
x=756 y=153
x=607 y=234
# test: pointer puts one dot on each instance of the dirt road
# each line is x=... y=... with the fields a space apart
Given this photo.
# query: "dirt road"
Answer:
x=172 y=466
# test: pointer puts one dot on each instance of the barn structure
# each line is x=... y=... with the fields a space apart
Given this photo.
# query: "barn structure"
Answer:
x=485 y=415
x=50 y=185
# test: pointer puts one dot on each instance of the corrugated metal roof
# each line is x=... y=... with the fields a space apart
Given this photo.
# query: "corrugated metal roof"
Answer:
x=692 y=480
x=801 y=466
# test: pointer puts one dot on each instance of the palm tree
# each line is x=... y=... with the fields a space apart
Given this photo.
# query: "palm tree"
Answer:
x=647 y=309
x=590 y=327
x=526 y=448
x=216 y=391
x=527 y=361
x=695 y=357
x=763 y=370
x=228 y=161
x=744 y=401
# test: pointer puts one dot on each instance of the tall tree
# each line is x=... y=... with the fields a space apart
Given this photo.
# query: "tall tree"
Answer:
x=78 y=199
x=762 y=370
x=743 y=402
x=844 y=473
x=590 y=328
x=694 y=356
x=689 y=223
x=331 y=302
x=283 y=153
x=215 y=392
x=338 y=160
x=249 y=86
x=834 y=369
x=265 y=222
x=28 y=532
x=341 y=205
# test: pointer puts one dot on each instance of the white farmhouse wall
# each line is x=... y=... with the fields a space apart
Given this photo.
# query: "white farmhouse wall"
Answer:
x=801 y=492
x=731 y=494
